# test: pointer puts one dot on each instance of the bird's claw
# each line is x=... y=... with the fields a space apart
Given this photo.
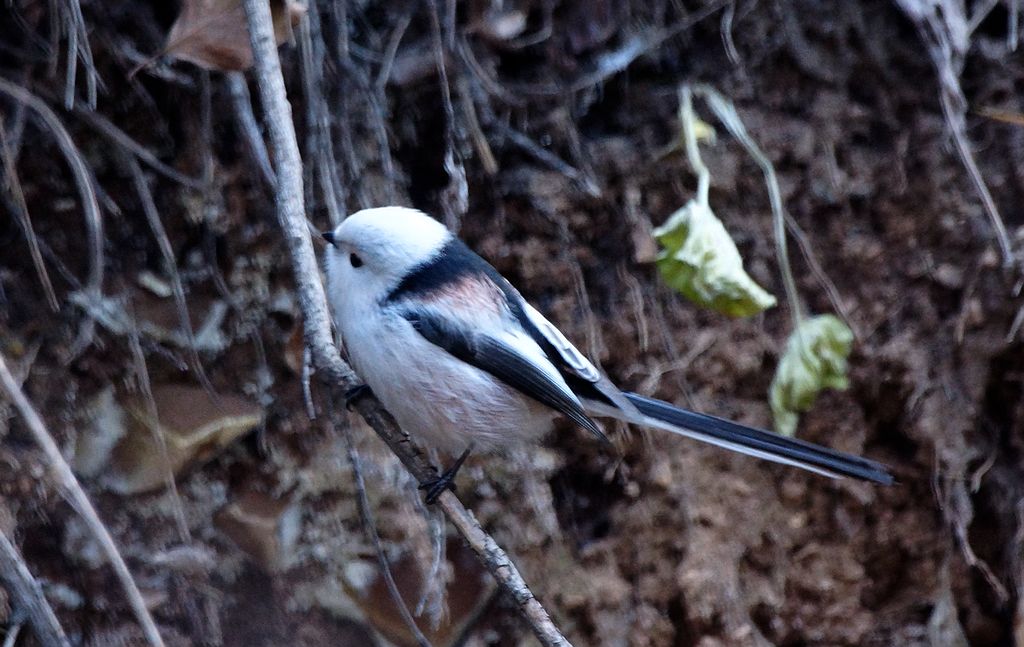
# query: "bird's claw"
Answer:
x=355 y=393
x=446 y=481
x=437 y=485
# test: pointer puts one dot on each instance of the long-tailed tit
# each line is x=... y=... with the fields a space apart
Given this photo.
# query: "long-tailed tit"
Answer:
x=462 y=361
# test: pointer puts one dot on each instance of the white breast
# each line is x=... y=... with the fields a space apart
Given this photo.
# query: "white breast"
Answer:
x=440 y=400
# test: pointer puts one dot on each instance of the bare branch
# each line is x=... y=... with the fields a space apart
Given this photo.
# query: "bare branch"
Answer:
x=21 y=214
x=83 y=180
x=944 y=29
x=121 y=138
x=250 y=130
x=28 y=596
x=65 y=479
x=171 y=267
x=336 y=372
x=370 y=528
x=455 y=197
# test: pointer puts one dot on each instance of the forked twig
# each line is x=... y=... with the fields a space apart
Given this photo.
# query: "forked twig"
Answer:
x=337 y=374
x=65 y=479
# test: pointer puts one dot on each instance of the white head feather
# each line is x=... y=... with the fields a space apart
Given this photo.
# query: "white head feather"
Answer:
x=390 y=240
x=373 y=250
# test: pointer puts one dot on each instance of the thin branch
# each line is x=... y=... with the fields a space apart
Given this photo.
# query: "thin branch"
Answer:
x=546 y=157
x=20 y=208
x=142 y=373
x=12 y=634
x=726 y=112
x=455 y=197
x=370 y=527
x=27 y=596
x=78 y=48
x=319 y=147
x=170 y=266
x=83 y=180
x=389 y=52
x=337 y=374
x=944 y=29
x=121 y=138
x=65 y=479
x=250 y=129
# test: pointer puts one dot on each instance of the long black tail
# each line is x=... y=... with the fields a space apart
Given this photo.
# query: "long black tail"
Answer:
x=756 y=442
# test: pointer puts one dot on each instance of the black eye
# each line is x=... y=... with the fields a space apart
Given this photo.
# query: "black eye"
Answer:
x=355 y=260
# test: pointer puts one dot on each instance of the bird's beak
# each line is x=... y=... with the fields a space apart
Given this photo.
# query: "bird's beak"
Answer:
x=328 y=236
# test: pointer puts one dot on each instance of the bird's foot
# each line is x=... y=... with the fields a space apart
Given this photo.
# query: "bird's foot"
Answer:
x=355 y=393
x=446 y=481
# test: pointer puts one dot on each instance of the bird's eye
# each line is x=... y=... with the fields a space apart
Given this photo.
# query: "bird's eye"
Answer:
x=355 y=260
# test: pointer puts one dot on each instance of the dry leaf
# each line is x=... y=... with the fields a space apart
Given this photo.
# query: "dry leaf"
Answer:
x=468 y=592
x=815 y=359
x=214 y=35
x=122 y=448
x=701 y=261
x=264 y=527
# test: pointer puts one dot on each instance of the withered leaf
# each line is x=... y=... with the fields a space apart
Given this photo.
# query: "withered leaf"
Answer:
x=194 y=429
x=214 y=35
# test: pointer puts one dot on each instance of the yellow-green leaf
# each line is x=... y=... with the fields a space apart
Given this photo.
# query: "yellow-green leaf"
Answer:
x=815 y=359
x=701 y=261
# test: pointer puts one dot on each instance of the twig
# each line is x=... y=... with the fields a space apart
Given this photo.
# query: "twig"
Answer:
x=483 y=148
x=546 y=157
x=65 y=478
x=320 y=147
x=944 y=30
x=12 y=634
x=170 y=266
x=105 y=127
x=804 y=243
x=21 y=214
x=250 y=130
x=725 y=111
x=142 y=373
x=377 y=107
x=78 y=47
x=337 y=374
x=389 y=53
x=370 y=527
x=28 y=598
x=610 y=63
x=83 y=180
x=726 y=29
x=455 y=197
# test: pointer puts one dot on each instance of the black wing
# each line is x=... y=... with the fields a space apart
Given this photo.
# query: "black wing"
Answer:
x=503 y=362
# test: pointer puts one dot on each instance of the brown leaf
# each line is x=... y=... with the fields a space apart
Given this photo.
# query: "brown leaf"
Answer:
x=122 y=445
x=214 y=35
x=263 y=526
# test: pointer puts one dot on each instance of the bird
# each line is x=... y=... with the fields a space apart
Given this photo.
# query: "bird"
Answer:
x=465 y=364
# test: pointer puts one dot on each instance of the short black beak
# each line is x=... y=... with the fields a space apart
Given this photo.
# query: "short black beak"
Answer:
x=328 y=236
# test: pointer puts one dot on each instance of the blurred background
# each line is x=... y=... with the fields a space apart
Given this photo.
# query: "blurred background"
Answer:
x=147 y=310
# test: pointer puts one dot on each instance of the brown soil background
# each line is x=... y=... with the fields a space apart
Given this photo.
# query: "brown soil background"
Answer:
x=670 y=544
